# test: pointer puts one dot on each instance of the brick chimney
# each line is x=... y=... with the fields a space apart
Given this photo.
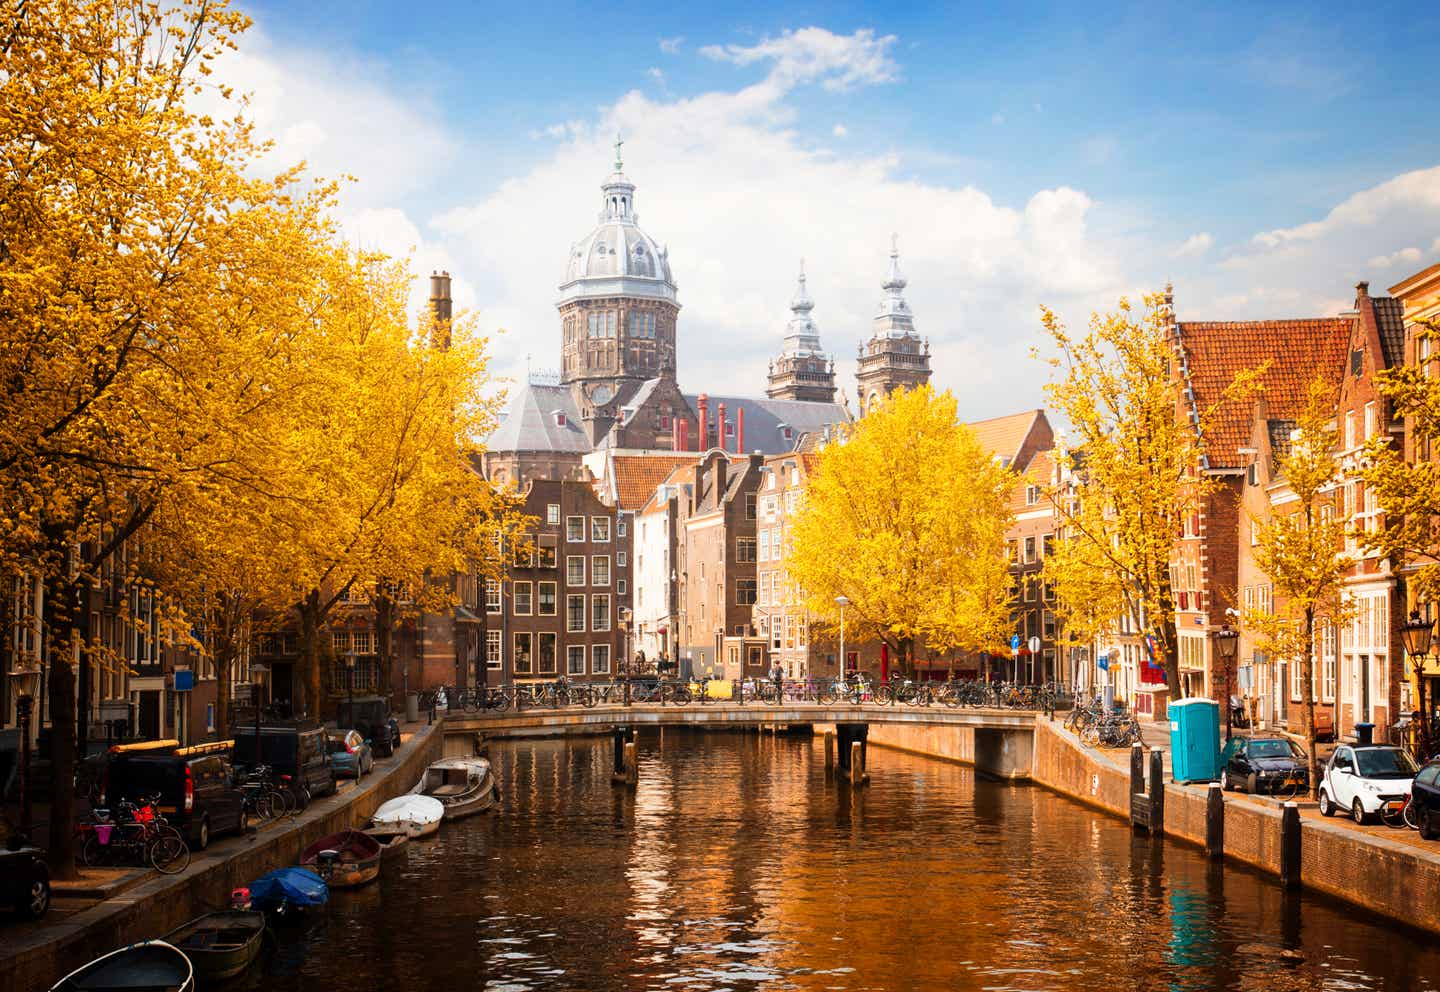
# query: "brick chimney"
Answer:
x=440 y=310
x=702 y=428
x=720 y=427
x=740 y=431
x=722 y=466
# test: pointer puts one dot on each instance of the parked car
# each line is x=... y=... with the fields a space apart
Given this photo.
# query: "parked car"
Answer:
x=296 y=752
x=1425 y=797
x=24 y=879
x=370 y=715
x=350 y=754
x=1263 y=764
x=196 y=786
x=1363 y=779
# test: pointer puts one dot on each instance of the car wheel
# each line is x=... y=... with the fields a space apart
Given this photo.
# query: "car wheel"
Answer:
x=1357 y=812
x=36 y=902
x=1225 y=784
x=1327 y=808
x=202 y=836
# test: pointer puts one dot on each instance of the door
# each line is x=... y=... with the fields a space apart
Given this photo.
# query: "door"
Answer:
x=150 y=714
x=1364 y=694
x=1341 y=777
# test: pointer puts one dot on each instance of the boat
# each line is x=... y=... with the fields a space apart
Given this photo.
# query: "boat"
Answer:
x=464 y=785
x=149 y=966
x=392 y=841
x=418 y=816
x=223 y=944
x=343 y=860
x=286 y=893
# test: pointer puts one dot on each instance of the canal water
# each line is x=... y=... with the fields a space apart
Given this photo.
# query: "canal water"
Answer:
x=736 y=864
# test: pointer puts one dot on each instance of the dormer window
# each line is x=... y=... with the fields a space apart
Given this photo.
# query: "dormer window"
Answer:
x=559 y=418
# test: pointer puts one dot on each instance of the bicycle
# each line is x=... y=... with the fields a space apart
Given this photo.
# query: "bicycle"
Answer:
x=1405 y=816
x=146 y=836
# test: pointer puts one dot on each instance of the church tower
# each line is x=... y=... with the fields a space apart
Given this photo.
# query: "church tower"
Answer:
x=618 y=304
x=894 y=357
x=802 y=371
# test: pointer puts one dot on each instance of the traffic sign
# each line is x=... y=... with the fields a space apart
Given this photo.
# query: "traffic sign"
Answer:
x=1034 y=645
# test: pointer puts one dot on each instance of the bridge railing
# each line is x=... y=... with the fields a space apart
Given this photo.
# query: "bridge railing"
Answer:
x=562 y=694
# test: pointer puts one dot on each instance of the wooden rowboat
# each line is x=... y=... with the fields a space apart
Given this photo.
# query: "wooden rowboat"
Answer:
x=149 y=966
x=464 y=785
x=223 y=944
x=391 y=840
x=418 y=816
x=343 y=860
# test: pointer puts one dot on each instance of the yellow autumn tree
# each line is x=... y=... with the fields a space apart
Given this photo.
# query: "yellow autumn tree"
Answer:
x=905 y=516
x=1299 y=547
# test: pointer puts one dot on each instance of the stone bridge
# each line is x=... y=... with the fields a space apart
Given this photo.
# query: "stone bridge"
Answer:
x=999 y=742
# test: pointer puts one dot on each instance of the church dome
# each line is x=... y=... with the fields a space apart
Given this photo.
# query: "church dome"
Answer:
x=617 y=258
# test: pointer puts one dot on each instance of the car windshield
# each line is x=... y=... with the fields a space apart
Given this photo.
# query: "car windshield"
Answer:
x=1384 y=762
x=1273 y=749
x=337 y=746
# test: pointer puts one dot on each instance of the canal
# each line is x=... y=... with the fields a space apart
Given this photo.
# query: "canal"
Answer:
x=736 y=865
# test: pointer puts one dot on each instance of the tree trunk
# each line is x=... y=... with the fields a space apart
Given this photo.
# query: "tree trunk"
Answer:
x=1307 y=676
x=905 y=655
x=224 y=661
x=1169 y=650
x=309 y=610
x=59 y=633
x=385 y=641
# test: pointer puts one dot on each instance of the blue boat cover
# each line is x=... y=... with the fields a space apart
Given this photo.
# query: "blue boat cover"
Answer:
x=298 y=886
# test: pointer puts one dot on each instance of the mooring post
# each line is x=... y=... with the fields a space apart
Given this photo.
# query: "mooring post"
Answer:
x=858 y=775
x=1215 y=822
x=1137 y=778
x=1157 y=791
x=1290 y=846
x=618 y=738
x=829 y=750
x=632 y=767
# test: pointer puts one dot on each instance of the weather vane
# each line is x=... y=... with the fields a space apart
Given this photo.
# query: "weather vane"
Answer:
x=618 y=142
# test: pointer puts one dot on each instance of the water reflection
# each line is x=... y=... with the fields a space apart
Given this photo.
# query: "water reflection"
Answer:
x=735 y=865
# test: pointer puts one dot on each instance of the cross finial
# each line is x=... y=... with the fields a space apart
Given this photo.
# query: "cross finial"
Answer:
x=894 y=243
x=618 y=143
x=802 y=267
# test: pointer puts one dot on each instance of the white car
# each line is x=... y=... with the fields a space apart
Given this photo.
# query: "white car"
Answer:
x=1363 y=779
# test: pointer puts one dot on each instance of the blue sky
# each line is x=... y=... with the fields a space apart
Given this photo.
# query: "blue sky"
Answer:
x=1265 y=157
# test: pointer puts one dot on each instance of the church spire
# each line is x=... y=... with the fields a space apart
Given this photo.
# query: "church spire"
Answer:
x=802 y=371
x=894 y=317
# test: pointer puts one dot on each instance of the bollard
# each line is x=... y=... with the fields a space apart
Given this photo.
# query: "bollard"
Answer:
x=632 y=766
x=829 y=750
x=1215 y=822
x=1137 y=768
x=618 y=738
x=1290 y=846
x=858 y=775
x=1157 y=792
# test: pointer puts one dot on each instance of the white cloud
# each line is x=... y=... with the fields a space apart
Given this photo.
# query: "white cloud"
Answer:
x=838 y=61
x=1196 y=244
x=1408 y=256
x=671 y=46
x=839 y=130
x=997 y=118
x=656 y=74
x=1418 y=190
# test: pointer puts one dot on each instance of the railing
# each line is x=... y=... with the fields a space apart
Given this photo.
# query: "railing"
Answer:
x=560 y=694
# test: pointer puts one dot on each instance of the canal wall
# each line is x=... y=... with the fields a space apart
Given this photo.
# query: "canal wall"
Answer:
x=1390 y=877
x=161 y=904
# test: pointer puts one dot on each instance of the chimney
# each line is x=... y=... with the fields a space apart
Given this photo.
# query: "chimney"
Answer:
x=722 y=464
x=440 y=310
x=683 y=426
x=720 y=427
x=740 y=430
x=1362 y=289
x=702 y=428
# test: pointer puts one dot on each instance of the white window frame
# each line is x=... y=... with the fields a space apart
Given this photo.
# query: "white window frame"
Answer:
x=600 y=659
x=599 y=530
x=554 y=598
x=571 y=524
x=598 y=614
x=494 y=649
x=597 y=564
x=570 y=599
x=529 y=597
x=570 y=563
x=572 y=652
x=494 y=596
x=552 y=514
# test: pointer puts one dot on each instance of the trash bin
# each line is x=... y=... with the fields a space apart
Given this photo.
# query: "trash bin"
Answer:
x=1364 y=733
x=1194 y=740
x=412 y=707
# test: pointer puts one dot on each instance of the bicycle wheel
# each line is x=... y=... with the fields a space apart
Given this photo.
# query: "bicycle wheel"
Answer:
x=1412 y=816
x=280 y=802
x=680 y=696
x=1090 y=736
x=168 y=853
x=93 y=854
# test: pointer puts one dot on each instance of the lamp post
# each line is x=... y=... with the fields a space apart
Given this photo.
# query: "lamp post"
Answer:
x=22 y=719
x=1417 y=634
x=350 y=685
x=842 y=602
x=256 y=671
x=1227 y=639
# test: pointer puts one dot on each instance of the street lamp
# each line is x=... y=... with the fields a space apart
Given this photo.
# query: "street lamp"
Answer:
x=842 y=602
x=1417 y=634
x=257 y=670
x=1227 y=639
x=350 y=685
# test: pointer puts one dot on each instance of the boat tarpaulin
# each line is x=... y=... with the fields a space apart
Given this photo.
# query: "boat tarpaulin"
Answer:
x=297 y=886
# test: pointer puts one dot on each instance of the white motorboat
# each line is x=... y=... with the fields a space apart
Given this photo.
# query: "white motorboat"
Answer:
x=413 y=815
x=463 y=785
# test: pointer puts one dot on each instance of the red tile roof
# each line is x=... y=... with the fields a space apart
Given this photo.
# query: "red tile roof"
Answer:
x=1297 y=350
x=1004 y=435
x=636 y=476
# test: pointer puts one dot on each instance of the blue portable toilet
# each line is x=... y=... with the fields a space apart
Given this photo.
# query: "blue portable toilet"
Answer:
x=1194 y=740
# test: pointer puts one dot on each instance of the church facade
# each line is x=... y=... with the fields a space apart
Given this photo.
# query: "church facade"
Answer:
x=617 y=389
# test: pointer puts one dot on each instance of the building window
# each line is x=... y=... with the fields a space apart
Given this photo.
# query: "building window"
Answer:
x=1029 y=550
x=1047 y=545
x=524 y=605
x=547 y=598
x=1049 y=626
x=524 y=656
x=1369 y=421
x=575 y=659
x=547 y=654
x=575 y=614
x=600 y=659
x=600 y=612
x=600 y=529
x=549 y=558
x=749 y=506
x=340 y=642
x=744 y=592
x=620 y=587
x=575 y=570
x=621 y=559
x=745 y=550
x=1032 y=495
x=600 y=570
x=764 y=546
x=360 y=642
x=575 y=529
x=775 y=544
x=620 y=528
x=552 y=514
x=492 y=596
x=494 y=648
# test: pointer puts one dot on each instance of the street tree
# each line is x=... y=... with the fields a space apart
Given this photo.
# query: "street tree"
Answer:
x=905 y=516
x=1299 y=545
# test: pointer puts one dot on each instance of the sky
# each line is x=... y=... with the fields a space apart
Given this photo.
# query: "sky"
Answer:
x=1263 y=158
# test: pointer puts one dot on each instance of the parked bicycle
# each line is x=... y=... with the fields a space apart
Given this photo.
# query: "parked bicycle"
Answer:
x=137 y=832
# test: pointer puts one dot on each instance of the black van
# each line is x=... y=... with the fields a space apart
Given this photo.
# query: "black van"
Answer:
x=296 y=752
x=196 y=786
